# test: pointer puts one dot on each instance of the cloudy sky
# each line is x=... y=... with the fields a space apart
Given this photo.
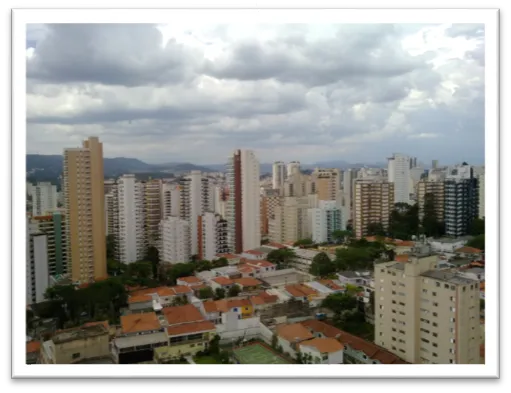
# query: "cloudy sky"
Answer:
x=163 y=93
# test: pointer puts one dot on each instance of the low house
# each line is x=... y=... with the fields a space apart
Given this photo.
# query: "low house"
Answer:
x=322 y=351
x=323 y=290
x=197 y=288
x=289 y=336
x=186 y=339
x=332 y=285
x=356 y=349
x=358 y=278
x=188 y=281
x=276 y=246
x=248 y=283
x=253 y=255
x=261 y=265
x=227 y=271
x=212 y=313
x=242 y=307
x=232 y=259
x=247 y=271
x=221 y=282
x=446 y=244
x=140 y=303
x=469 y=252
x=301 y=292
x=403 y=246
x=161 y=296
x=182 y=314
x=33 y=350
x=262 y=302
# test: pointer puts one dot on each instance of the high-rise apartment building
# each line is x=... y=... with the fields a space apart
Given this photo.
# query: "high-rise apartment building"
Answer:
x=174 y=240
x=328 y=184
x=37 y=264
x=425 y=315
x=289 y=220
x=152 y=211
x=399 y=174
x=349 y=176
x=170 y=200
x=111 y=212
x=84 y=201
x=298 y=185
x=196 y=197
x=53 y=225
x=461 y=200
x=243 y=208
x=131 y=232
x=293 y=167
x=435 y=191
x=481 y=196
x=372 y=204
x=44 y=198
x=212 y=236
x=278 y=175
x=324 y=220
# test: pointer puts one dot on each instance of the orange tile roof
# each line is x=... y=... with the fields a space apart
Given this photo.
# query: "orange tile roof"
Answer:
x=469 y=250
x=139 y=299
x=254 y=252
x=33 y=346
x=245 y=269
x=182 y=314
x=210 y=306
x=276 y=245
x=179 y=289
x=324 y=345
x=198 y=287
x=190 y=279
x=231 y=303
x=223 y=281
x=262 y=263
x=330 y=284
x=299 y=290
x=227 y=256
x=104 y=323
x=294 y=332
x=259 y=300
x=135 y=323
x=322 y=327
x=482 y=351
x=188 y=328
x=247 y=281
x=402 y=258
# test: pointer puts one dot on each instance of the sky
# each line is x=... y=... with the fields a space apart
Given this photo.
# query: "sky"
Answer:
x=312 y=93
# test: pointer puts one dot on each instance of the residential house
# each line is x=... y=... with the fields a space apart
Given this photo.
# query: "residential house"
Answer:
x=139 y=335
x=301 y=292
x=212 y=313
x=248 y=283
x=221 y=282
x=289 y=336
x=188 y=281
x=357 y=278
x=469 y=252
x=403 y=246
x=332 y=285
x=475 y=273
x=178 y=315
x=262 y=266
x=77 y=345
x=232 y=259
x=356 y=349
x=247 y=271
x=263 y=302
x=186 y=339
x=33 y=351
x=447 y=244
x=253 y=255
x=322 y=350
x=242 y=307
x=140 y=303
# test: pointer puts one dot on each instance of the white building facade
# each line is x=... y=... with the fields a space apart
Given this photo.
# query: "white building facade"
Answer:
x=324 y=220
x=170 y=199
x=399 y=174
x=37 y=264
x=278 y=175
x=175 y=240
x=44 y=198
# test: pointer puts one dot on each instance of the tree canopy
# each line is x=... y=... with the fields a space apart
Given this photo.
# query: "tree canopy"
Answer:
x=477 y=242
x=303 y=242
x=341 y=236
x=477 y=227
x=281 y=257
x=431 y=225
x=404 y=221
x=322 y=265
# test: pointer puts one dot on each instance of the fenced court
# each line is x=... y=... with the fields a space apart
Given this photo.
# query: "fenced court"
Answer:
x=258 y=353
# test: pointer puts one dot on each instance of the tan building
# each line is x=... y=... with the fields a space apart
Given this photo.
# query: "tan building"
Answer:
x=268 y=205
x=298 y=185
x=152 y=210
x=425 y=315
x=85 y=210
x=436 y=189
x=77 y=345
x=373 y=203
x=289 y=221
x=328 y=184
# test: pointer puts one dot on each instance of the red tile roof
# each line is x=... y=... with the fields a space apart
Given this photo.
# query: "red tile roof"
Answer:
x=402 y=258
x=210 y=306
x=104 y=323
x=469 y=250
x=330 y=284
x=139 y=299
x=223 y=281
x=294 y=332
x=33 y=346
x=323 y=345
x=247 y=282
x=227 y=256
x=180 y=289
x=135 y=323
x=182 y=314
x=190 y=279
x=259 y=263
x=299 y=290
x=260 y=300
x=188 y=328
x=254 y=252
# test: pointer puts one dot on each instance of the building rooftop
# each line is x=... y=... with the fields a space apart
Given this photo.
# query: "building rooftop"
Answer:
x=189 y=328
x=449 y=277
x=140 y=339
x=469 y=250
x=294 y=332
x=135 y=323
x=190 y=280
x=247 y=282
x=223 y=281
x=182 y=314
x=259 y=263
x=33 y=346
x=254 y=252
x=78 y=333
x=139 y=299
x=323 y=345
x=299 y=290
x=352 y=274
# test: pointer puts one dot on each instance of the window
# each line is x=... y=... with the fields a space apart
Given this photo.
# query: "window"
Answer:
x=435 y=304
x=452 y=309
x=435 y=314
x=452 y=298
x=434 y=293
x=437 y=284
x=393 y=339
x=424 y=340
x=435 y=334
x=435 y=355
x=76 y=355
x=402 y=331
x=394 y=329
x=435 y=324
x=424 y=291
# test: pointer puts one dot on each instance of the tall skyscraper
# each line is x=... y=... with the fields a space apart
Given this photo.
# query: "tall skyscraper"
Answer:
x=292 y=168
x=278 y=175
x=425 y=315
x=152 y=211
x=243 y=207
x=175 y=240
x=399 y=174
x=84 y=200
x=170 y=200
x=324 y=220
x=212 y=236
x=431 y=189
x=37 y=264
x=328 y=184
x=349 y=176
x=44 y=198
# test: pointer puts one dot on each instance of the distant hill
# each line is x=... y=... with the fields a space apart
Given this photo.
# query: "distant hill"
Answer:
x=49 y=167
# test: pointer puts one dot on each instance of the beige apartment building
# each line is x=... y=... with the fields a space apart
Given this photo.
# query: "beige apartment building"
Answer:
x=152 y=210
x=435 y=188
x=298 y=185
x=327 y=184
x=289 y=219
x=373 y=203
x=425 y=315
x=84 y=201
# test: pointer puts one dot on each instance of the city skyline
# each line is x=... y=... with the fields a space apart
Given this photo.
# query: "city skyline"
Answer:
x=356 y=93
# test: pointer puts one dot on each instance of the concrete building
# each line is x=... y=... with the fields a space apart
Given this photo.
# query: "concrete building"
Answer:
x=290 y=221
x=435 y=190
x=425 y=315
x=53 y=226
x=278 y=175
x=37 y=264
x=373 y=203
x=434 y=164
x=298 y=185
x=293 y=167
x=399 y=174
x=349 y=176
x=111 y=212
x=327 y=184
x=324 y=220
x=220 y=200
x=44 y=198
x=243 y=209
x=131 y=232
x=481 y=196
x=212 y=236
x=461 y=200
x=84 y=201
x=175 y=240
x=152 y=211
x=195 y=201
x=170 y=200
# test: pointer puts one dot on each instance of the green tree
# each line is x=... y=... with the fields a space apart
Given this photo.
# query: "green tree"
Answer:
x=139 y=270
x=206 y=293
x=477 y=242
x=234 y=291
x=153 y=256
x=303 y=242
x=219 y=293
x=203 y=265
x=220 y=262
x=431 y=224
x=214 y=345
x=281 y=257
x=477 y=227
x=341 y=236
x=339 y=302
x=375 y=229
x=110 y=247
x=404 y=221
x=481 y=304
x=322 y=265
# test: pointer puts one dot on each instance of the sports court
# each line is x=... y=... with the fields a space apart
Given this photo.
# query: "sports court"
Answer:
x=257 y=354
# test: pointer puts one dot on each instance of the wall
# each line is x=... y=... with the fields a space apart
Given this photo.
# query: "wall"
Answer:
x=286 y=347
x=91 y=347
x=247 y=328
x=266 y=334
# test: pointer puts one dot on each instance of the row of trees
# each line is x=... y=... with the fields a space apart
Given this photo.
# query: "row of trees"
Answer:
x=219 y=293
